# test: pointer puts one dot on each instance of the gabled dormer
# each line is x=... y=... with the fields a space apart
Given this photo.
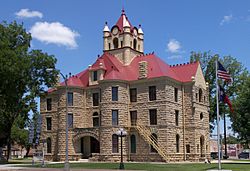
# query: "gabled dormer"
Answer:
x=123 y=40
x=96 y=72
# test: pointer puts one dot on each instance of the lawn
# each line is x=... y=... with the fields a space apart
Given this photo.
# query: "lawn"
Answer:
x=155 y=167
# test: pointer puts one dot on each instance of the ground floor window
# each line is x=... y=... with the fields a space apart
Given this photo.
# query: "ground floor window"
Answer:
x=49 y=145
x=177 y=143
x=114 y=143
x=154 y=139
x=132 y=144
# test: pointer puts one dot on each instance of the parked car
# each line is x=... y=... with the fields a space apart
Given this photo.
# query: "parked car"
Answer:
x=243 y=155
x=214 y=155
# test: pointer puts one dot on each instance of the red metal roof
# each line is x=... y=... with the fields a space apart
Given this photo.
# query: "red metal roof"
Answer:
x=186 y=71
x=115 y=70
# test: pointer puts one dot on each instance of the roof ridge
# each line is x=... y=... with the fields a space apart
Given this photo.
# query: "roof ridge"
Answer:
x=183 y=64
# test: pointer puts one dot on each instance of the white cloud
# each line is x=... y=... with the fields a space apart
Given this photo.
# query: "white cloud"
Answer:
x=175 y=57
x=173 y=46
x=226 y=19
x=54 y=33
x=26 y=13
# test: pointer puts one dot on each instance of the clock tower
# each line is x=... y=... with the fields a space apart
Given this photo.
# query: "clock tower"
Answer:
x=123 y=40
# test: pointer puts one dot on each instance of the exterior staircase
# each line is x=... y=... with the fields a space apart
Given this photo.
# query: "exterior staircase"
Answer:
x=147 y=135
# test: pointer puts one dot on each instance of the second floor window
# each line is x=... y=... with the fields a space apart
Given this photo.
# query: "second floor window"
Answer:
x=114 y=117
x=70 y=120
x=49 y=124
x=153 y=116
x=70 y=98
x=152 y=93
x=95 y=76
x=95 y=99
x=49 y=104
x=176 y=117
x=95 y=119
x=176 y=94
x=114 y=93
x=133 y=94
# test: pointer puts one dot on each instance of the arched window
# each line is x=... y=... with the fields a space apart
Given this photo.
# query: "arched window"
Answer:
x=48 y=145
x=135 y=44
x=154 y=139
x=115 y=42
x=95 y=119
x=114 y=143
x=132 y=144
x=200 y=95
x=177 y=143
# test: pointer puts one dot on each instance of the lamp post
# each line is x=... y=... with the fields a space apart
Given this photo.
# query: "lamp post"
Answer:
x=65 y=77
x=121 y=133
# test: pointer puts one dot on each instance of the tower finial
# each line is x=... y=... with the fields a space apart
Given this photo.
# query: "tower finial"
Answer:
x=123 y=11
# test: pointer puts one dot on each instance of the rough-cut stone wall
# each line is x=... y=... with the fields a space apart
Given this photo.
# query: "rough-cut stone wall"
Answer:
x=190 y=127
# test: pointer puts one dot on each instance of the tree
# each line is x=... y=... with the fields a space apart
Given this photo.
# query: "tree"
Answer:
x=23 y=77
x=19 y=134
x=241 y=116
x=236 y=70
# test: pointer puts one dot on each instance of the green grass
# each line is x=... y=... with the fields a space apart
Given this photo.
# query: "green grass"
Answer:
x=155 y=167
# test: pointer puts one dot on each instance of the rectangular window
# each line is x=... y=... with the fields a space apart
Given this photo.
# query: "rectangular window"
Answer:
x=49 y=124
x=95 y=76
x=114 y=93
x=188 y=148
x=133 y=117
x=176 y=94
x=70 y=99
x=133 y=94
x=152 y=93
x=114 y=117
x=95 y=99
x=114 y=143
x=176 y=117
x=70 y=120
x=49 y=104
x=153 y=116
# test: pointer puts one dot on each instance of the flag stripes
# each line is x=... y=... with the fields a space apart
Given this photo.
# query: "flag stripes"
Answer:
x=222 y=72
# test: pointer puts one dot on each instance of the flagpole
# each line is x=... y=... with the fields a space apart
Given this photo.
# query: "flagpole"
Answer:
x=218 y=116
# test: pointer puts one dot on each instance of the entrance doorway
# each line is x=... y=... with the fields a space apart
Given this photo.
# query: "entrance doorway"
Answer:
x=88 y=146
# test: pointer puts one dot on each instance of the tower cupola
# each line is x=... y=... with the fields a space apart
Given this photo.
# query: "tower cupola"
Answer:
x=123 y=40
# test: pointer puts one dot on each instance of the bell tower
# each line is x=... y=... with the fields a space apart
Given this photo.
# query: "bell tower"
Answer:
x=123 y=40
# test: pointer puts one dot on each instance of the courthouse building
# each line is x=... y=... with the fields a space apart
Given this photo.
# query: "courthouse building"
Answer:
x=163 y=108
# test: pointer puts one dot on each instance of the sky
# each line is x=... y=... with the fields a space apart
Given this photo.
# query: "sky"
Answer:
x=72 y=30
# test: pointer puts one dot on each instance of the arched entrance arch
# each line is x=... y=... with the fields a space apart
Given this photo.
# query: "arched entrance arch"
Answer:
x=86 y=143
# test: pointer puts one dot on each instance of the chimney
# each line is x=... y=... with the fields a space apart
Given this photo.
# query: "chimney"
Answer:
x=143 y=69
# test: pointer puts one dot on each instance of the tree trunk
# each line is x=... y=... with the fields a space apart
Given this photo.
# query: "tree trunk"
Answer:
x=27 y=151
x=8 y=149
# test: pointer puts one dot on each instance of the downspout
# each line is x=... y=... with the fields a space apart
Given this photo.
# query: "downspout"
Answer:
x=128 y=124
x=183 y=121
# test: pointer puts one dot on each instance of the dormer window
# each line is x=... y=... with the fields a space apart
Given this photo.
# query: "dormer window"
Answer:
x=95 y=76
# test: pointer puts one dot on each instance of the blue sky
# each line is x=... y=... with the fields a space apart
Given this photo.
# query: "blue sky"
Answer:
x=172 y=29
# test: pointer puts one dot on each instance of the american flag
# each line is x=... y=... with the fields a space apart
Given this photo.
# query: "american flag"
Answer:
x=222 y=73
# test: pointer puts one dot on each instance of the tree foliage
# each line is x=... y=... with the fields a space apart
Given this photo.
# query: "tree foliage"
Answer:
x=241 y=116
x=23 y=76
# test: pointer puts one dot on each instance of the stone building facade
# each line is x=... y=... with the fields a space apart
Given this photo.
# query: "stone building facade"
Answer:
x=163 y=108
